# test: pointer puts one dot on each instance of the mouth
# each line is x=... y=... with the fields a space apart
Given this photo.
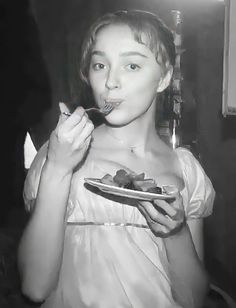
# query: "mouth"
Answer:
x=114 y=102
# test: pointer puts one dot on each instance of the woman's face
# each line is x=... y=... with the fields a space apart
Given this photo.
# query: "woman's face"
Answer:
x=124 y=72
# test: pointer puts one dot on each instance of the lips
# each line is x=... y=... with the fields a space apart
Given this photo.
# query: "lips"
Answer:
x=113 y=101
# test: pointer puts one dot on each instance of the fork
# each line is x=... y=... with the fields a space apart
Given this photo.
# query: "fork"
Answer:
x=106 y=109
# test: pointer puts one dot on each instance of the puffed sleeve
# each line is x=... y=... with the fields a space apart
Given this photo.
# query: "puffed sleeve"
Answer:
x=31 y=183
x=198 y=194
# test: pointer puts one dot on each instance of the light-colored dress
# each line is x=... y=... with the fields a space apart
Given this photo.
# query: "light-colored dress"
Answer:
x=107 y=263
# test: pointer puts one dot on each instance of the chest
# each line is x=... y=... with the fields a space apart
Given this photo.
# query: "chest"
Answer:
x=165 y=169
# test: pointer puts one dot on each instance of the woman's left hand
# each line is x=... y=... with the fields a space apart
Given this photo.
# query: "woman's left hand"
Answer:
x=163 y=218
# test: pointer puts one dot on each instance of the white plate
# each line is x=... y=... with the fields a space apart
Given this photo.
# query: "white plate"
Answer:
x=130 y=193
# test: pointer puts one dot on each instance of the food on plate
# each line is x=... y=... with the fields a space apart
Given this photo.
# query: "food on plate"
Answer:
x=131 y=181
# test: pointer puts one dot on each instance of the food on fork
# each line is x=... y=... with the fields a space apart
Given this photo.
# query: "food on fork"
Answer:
x=132 y=181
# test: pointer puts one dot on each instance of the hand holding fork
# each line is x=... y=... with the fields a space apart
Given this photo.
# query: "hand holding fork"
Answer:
x=105 y=110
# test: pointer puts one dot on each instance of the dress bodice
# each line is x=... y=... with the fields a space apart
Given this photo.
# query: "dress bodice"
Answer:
x=108 y=266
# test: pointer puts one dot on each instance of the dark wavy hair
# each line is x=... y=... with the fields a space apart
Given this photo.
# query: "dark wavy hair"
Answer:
x=158 y=37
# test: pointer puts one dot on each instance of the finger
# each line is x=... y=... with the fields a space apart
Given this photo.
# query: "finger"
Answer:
x=173 y=209
x=156 y=228
x=155 y=216
x=145 y=214
x=63 y=107
x=75 y=118
x=84 y=135
x=62 y=117
x=153 y=209
x=164 y=207
x=178 y=202
x=83 y=146
x=69 y=133
x=77 y=129
x=179 y=208
x=149 y=209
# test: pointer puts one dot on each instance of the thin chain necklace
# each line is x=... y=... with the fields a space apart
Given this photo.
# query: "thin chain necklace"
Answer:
x=131 y=148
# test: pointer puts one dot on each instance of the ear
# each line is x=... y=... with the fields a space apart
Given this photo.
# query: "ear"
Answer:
x=165 y=80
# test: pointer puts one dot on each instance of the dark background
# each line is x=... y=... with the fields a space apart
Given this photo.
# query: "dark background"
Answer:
x=37 y=71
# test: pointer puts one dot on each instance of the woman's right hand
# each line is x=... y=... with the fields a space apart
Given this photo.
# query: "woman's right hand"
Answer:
x=70 y=140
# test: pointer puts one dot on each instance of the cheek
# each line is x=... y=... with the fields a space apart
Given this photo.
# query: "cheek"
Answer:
x=147 y=82
x=142 y=98
x=96 y=83
x=145 y=90
x=95 y=88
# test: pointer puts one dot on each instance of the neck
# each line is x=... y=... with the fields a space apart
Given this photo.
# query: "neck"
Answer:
x=137 y=133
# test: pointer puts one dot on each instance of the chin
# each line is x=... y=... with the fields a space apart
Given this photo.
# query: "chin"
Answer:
x=118 y=120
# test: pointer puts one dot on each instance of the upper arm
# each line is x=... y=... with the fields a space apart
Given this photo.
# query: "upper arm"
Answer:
x=196 y=230
x=199 y=194
x=198 y=197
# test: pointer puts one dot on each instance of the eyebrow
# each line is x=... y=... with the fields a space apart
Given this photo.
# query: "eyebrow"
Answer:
x=123 y=54
x=98 y=53
x=133 y=53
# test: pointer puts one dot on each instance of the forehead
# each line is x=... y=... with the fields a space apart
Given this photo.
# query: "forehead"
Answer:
x=119 y=35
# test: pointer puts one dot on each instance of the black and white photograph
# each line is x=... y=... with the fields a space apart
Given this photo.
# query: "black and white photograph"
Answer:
x=119 y=154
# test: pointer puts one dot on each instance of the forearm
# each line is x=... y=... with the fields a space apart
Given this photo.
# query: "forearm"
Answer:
x=189 y=279
x=41 y=246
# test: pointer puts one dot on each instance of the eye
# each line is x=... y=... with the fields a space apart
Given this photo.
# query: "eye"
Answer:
x=133 y=67
x=98 y=66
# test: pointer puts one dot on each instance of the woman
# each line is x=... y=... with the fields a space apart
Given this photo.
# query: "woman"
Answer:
x=86 y=249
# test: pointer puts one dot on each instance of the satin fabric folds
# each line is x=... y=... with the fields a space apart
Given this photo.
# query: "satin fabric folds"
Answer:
x=107 y=266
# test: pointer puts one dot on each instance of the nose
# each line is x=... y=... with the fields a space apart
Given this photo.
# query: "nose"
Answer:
x=113 y=80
